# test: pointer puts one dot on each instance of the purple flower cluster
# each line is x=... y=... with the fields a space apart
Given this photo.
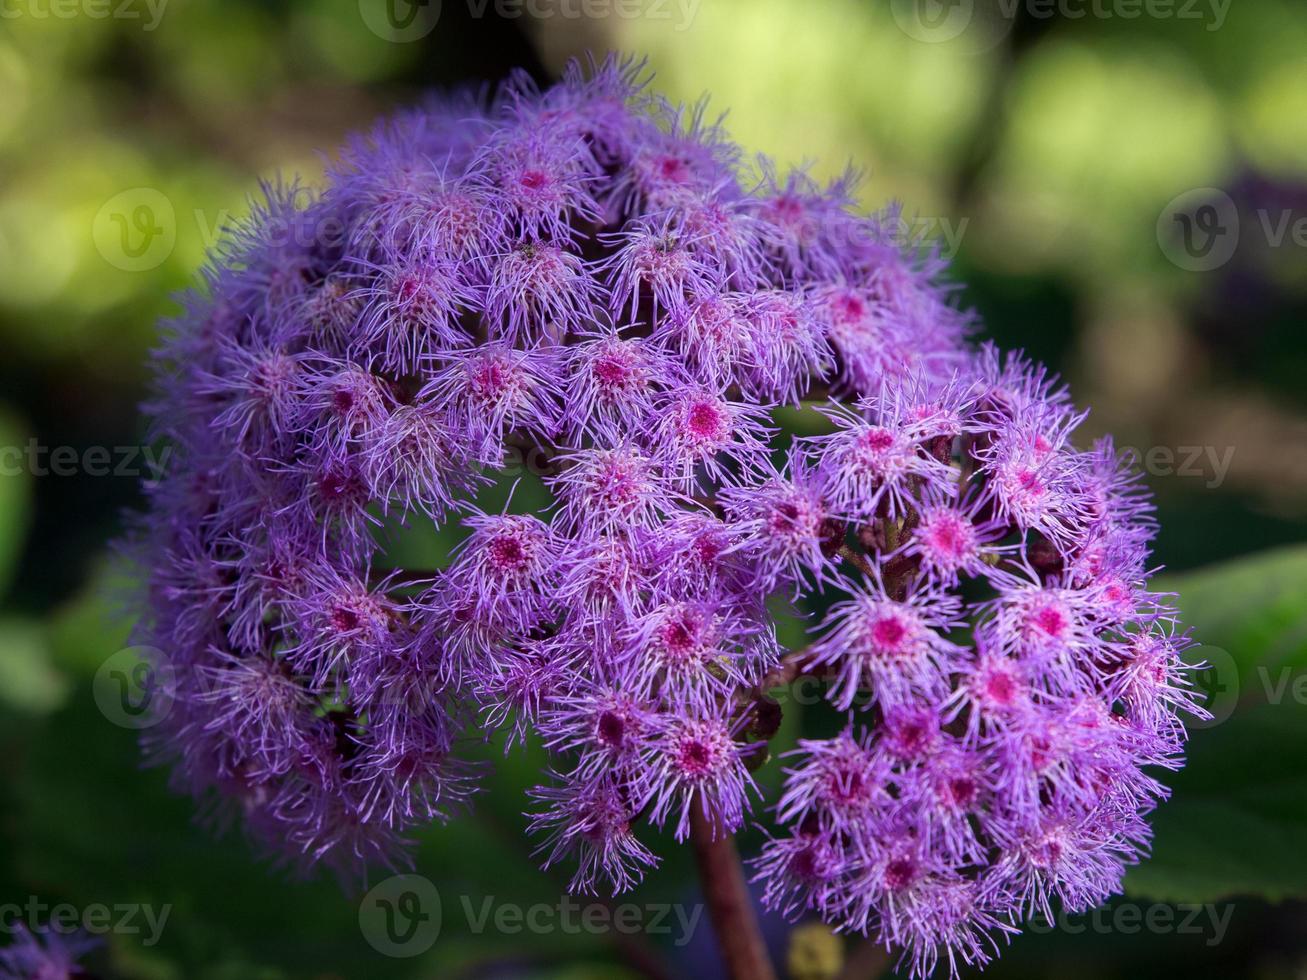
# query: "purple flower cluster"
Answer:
x=45 y=954
x=593 y=273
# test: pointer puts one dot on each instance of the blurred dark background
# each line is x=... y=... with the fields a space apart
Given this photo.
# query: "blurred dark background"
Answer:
x=1125 y=197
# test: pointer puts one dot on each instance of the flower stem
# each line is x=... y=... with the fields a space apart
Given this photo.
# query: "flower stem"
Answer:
x=739 y=935
x=848 y=554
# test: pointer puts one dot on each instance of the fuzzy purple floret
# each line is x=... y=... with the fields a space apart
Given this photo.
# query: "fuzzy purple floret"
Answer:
x=45 y=954
x=592 y=272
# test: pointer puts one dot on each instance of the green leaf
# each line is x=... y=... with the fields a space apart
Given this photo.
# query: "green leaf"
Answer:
x=1238 y=817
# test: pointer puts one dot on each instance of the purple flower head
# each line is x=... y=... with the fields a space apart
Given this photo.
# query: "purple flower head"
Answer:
x=956 y=539
x=45 y=954
x=412 y=305
x=784 y=527
x=874 y=460
x=608 y=489
x=688 y=649
x=612 y=725
x=701 y=436
x=488 y=391
x=589 y=819
x=696 y=762
x=841 y=781
x=895 y=649
x=586 y=278
x=613 y=382
x=505 y=571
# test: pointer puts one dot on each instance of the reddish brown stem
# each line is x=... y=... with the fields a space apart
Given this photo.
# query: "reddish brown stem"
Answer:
x=724 y=889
